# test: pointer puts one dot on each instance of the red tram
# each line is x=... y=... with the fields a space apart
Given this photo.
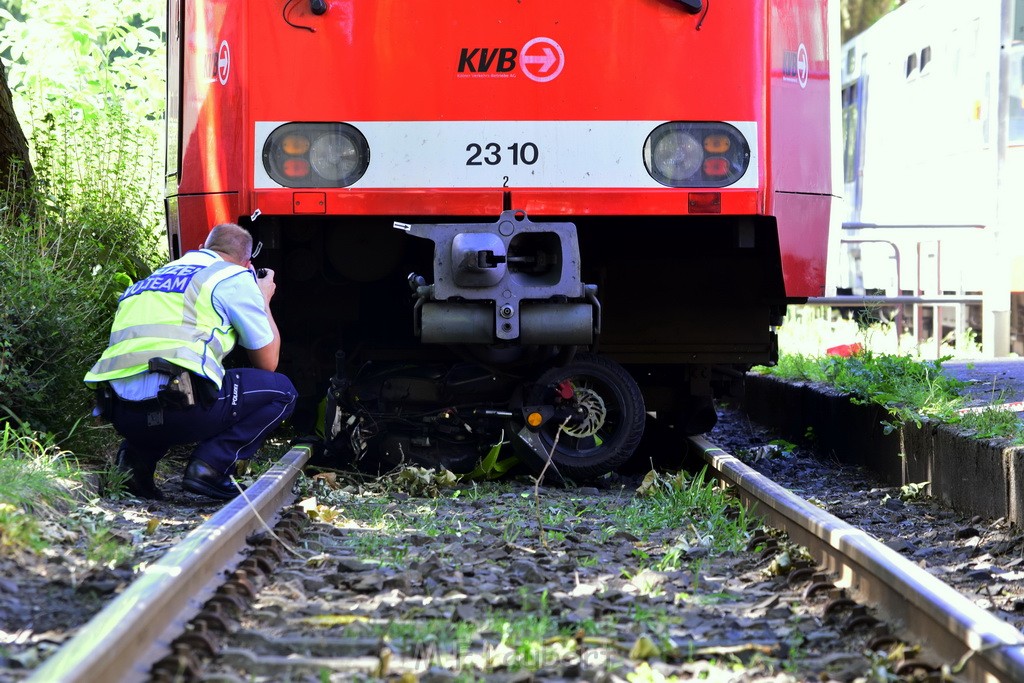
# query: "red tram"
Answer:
x=541 y=222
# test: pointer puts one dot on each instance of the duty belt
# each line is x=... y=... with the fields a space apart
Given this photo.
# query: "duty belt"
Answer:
x=148 y=405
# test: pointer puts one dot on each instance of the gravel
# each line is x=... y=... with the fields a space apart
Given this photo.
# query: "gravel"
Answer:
x=709 y=601
x=982 y=558
x=475 y=583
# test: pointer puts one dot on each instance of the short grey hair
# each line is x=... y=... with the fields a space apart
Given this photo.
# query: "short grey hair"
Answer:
x=230 y=239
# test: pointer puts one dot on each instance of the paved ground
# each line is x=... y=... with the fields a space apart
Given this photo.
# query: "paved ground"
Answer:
x=991 y=381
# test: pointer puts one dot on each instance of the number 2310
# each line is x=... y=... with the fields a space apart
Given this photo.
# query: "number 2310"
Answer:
x=491 y=154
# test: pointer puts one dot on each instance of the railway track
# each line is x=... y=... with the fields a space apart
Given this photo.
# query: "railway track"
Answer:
x=235 y=601
x=932 y=612
x=125 y=639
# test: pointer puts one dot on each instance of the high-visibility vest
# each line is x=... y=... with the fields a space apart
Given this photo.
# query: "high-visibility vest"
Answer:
x=170 y=315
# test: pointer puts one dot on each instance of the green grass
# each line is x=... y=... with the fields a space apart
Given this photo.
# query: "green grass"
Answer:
x=713 y=519
x=36 y=480
x=104 y=548
x=993 y=423
x=44 y=502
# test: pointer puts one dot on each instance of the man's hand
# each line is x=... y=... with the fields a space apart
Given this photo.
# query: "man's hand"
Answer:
x=266 y=358
x=265 y=281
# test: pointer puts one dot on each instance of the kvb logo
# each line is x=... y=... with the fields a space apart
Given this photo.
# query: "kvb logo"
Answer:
x=481 y=59
x=543 y=59
x=540 y=59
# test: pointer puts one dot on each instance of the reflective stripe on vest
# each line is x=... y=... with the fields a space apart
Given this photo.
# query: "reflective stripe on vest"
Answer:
x=170 y=315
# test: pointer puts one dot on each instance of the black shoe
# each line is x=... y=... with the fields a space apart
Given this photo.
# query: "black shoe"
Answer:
x=140 y=477
x=202 y=479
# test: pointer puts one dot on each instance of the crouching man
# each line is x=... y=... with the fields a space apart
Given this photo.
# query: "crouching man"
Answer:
x=161 y=381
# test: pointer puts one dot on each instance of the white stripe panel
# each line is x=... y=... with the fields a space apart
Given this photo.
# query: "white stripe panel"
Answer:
x=426 y=154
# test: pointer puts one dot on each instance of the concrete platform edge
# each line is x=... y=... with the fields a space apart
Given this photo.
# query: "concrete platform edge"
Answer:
x=973 y=476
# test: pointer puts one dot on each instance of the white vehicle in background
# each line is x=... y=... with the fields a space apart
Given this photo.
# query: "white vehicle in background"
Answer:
x=933 y=127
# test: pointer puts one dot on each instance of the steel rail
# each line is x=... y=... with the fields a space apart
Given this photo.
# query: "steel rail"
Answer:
x=938 y=616
x=122 y=642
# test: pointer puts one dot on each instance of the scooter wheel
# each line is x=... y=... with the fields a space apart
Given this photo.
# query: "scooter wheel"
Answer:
x=607 y=422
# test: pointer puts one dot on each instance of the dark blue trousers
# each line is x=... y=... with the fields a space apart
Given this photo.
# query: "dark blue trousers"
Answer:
x=251 y=403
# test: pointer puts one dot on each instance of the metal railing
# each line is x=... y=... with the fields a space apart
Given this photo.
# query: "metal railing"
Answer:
x=920 y=299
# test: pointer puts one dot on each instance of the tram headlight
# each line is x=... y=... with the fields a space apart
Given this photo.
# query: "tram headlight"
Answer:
x=673 y=156
x=335 y=156
x=316 y=155
x=701 y=154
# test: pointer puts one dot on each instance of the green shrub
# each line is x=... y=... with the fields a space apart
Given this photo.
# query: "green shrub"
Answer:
x=68 y=247
x=908 y=388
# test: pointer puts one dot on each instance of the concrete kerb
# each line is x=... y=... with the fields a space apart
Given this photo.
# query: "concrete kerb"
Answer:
x=973 y=476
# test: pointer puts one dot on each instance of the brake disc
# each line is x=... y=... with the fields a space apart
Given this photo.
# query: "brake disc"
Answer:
x=593 y=417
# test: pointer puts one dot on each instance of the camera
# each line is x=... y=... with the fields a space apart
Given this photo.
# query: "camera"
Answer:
x=261 y=273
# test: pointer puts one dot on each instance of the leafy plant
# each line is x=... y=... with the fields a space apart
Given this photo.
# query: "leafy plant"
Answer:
x=913 y=490
x=795 y=367
x=36 y=479
x=82 y=85
x=711 y=517
x=994 y=423
x=812 y=330
x=909 y=389
x=85 y=52
x=18 y=529
x=784 y=446
x=57 y=294
x=422 y=481
x=490 y=467
x=104 y=548
x=113 y=482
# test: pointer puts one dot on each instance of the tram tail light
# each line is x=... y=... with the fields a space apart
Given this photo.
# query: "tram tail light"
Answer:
x=295 y=145
x=717 y=144
x=295 y=168
x=316 y=155
x=696 y=154
x=716 y=167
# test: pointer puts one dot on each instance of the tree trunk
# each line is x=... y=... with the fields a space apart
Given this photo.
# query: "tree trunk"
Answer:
x=15 y=167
